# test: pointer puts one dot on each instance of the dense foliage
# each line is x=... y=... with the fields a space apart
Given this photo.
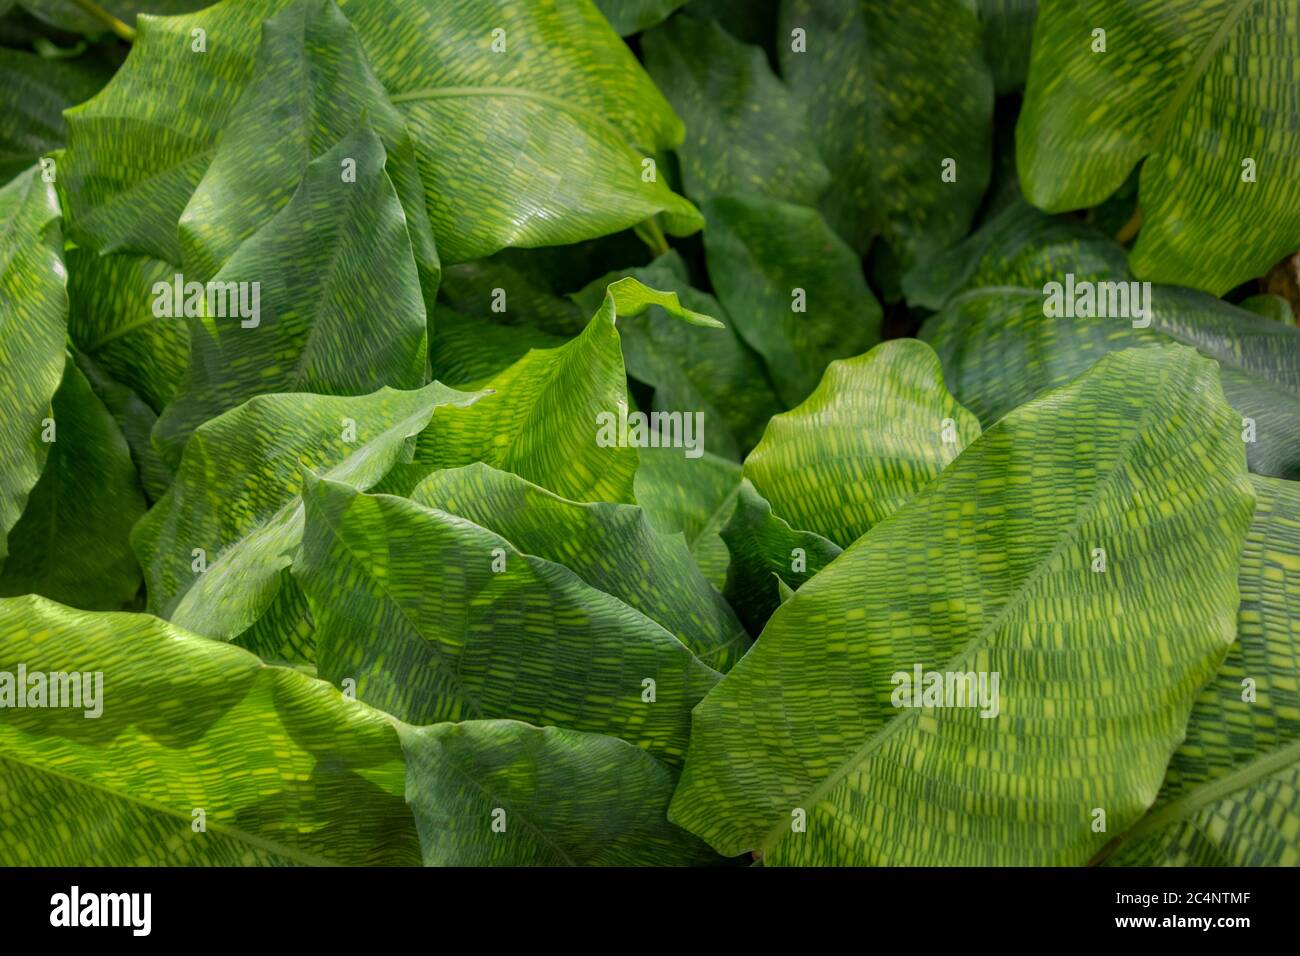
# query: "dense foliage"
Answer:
x=649 y=432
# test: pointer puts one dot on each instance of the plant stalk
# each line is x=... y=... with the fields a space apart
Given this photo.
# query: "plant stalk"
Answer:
x=103 y=16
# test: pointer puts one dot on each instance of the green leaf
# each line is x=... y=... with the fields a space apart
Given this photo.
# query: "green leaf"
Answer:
x=793 y=289
x=70 y=16
x=691 y=368
x=436 y=619
x=540 y=144
x=1230 y=796
x=889 y=99
x=112 y=319
x=745 y=133
x=632 y=16
x=999 y=349
x=1270 y=306
x=543 y=418
x=335 y=300
x=1189 y=90
x=136 y=420
x=990 y=570
x=72 y=543
x=33 y=326
x=564 y=798
x=285 y=770
x=237 y=496
x=693 y=497
x=610 y=546
x=466 y=350
x=1008 y=37
x=310 y=89
x=500 y=289
x=767 y=555
x=876 y=431
x=33 y=95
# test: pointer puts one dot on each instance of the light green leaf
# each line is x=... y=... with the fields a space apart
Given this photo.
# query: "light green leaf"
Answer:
x=33 y=95
x=999 y=349
x=693 y=369
x=632 y=16
x=563 y=798
x=745 y=133
x=540 y=144
x=1190 y=89
x=409 y=603
x=335 y=300
x=1230 y=795
x=890 y=98
x=793 y=289
x=766 y=556
x=237 y=496
x=990 y=570
x=72 y=543
x=693 y=497
x=310 y=89
x=283 y=768
x=876 y=431
x=544 y=418
x=610 y=546
x=112 y=319
x=33 y=326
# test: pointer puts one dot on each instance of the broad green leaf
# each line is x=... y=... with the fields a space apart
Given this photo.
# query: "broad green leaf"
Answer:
x=336 y=306
x=745 y=133
x=693 y=497
x=632 y=16
x=1230 y=795
x=539 y=144
x=113 y=320
x=311 y=88
x=136 y=420
x=999 y=349
x=236 y=496
x=793 y=289
x=544 y=418
x=564 y=798
x=435 y=618
x=72 y=543
x=990 y=569
x=766 y=556
x=890 y=98
x=693 y=369
x=610 y=546
x=497 y=288
x=71 y=16
x=33 y=95
x=876 y=431
x=1270 y=306
x=1008 y=37
x=33 y=326
x=464 y=350
x=283 y=768
x=1019 y=246
x=1200 y=93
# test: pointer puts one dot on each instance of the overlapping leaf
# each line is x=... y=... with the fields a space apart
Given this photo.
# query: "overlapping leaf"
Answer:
x=435 y=618
x=890 y=99
x=538 y=141
x=693 y=497
x=33 y=326
x=610 y=546
x=236 y=497
x=33 y=95
x=1202 y=94
x=335 y=296
x=990 y=570
x=793 y=289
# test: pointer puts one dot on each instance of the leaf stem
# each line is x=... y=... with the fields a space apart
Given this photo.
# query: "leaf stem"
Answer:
x=650 y=233
x=1130 y=228
x=103 y=16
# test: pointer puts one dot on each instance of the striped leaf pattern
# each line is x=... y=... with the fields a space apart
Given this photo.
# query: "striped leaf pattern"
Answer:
x=434 y=618
x=1153 y=477
x=693 y=497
